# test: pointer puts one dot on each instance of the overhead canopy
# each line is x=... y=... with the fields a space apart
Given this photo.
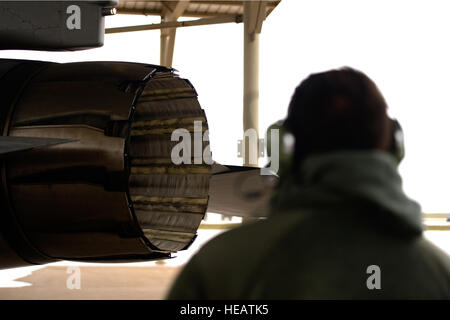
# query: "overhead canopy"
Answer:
x=194 y=8
x=207 y=12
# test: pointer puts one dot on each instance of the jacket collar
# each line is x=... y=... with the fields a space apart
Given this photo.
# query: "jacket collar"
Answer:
x=339 y=178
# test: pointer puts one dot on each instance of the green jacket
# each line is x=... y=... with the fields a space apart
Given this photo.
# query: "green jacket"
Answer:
x=348 y=213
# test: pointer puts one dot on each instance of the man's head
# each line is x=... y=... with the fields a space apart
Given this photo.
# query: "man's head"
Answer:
x=337 y=110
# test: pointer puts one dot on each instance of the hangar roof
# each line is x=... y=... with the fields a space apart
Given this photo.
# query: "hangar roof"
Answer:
x=194 y=8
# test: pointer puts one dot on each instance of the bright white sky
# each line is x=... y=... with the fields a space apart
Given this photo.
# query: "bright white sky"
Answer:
x=402 y=45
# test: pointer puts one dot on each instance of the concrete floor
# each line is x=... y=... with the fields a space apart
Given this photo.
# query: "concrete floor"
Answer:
x=97 y=282
x=144 y=280
x=135 y=281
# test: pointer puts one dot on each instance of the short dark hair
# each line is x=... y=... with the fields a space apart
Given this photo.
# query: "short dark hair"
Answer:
x=337 y=110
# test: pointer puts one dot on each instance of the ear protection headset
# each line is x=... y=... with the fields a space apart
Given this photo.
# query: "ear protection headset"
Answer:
x=397 y=148
x=287 y=143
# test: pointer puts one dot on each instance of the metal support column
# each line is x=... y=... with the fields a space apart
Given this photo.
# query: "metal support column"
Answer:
x=254 y=15
x=173 y=10
x=167 y=46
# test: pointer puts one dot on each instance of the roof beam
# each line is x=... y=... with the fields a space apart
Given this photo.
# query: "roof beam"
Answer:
x=177 y=24
x=191 y=10
x=158 y=13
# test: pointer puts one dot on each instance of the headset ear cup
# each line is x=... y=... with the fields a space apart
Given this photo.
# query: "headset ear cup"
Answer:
x=397 y=141
x=286 y=144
